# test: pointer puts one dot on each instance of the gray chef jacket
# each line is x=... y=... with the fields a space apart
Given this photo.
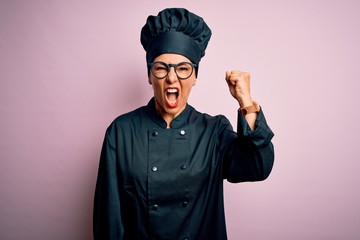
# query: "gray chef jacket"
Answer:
x=163 y=183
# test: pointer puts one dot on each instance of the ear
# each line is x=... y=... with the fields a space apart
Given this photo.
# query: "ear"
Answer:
x=149 y=80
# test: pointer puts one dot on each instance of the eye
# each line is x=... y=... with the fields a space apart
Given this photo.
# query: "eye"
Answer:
x=159 y=67
x=184 y=67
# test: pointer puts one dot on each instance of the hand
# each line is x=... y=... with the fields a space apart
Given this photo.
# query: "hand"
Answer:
x=239 y=86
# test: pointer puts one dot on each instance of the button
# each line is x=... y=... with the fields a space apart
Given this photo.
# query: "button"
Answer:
x=182 y=132
x=154 y=168
x=184 y=166
x=155 y=207
x=184 y=204
x=155 y=133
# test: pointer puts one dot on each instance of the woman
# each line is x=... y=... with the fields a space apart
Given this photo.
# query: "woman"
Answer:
x=162 y=165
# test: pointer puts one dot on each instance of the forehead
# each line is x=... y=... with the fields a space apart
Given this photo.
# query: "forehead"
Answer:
x=171 y=58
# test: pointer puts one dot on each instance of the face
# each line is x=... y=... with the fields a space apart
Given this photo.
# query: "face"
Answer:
x=171 y=93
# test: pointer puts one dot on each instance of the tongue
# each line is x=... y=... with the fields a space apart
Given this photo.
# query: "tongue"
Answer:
x=172 y=96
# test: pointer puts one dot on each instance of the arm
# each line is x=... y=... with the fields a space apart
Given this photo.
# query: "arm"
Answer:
x=107 y=223
x=251 y=156
x=239 y=87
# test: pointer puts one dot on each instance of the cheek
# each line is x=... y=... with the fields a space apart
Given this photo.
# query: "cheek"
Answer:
x=192 y=80
x=190 y=84
x=187 y=88
x=156 y=88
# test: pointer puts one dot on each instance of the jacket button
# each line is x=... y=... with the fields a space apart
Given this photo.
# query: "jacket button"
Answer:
x=182 y=132
x=184 y=204
x=184 y=166
x=155 y=133
x=154 y=168
x=155 y=207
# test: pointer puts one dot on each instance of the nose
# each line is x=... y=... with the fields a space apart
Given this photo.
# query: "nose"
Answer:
x=171 y=77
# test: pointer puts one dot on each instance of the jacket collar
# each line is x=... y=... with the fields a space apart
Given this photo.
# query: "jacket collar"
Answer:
x=179 y=121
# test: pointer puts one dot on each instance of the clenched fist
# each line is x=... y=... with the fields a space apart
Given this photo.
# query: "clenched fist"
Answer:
x=239 y=86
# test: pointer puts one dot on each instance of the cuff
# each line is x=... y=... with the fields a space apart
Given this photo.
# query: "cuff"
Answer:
x=261 y=135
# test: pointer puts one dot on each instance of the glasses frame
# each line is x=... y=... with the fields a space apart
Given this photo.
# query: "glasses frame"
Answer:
x=168 y=66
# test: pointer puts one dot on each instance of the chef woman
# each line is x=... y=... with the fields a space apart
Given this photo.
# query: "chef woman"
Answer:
x=162 y=166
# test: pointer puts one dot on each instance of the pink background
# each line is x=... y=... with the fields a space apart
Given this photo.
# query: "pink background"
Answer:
x=68 y=68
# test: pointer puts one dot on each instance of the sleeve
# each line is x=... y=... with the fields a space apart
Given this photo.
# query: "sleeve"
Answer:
x=107 y=223
x=250 y=157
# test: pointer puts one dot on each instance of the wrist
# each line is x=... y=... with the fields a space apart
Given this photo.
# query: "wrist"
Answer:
x=252 y=108
x=245 y=101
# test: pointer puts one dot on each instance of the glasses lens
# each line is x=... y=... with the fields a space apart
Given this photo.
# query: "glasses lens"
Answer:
x=159 y=69
x=184 y=70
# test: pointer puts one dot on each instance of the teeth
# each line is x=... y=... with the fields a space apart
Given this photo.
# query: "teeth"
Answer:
x=171 y=90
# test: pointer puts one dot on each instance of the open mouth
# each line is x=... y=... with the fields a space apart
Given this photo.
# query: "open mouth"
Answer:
x=172 y=95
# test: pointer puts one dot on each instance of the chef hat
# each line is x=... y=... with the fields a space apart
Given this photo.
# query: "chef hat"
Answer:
x=175 y=30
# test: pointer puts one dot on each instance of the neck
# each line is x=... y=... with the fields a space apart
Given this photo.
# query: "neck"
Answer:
x=168 y=117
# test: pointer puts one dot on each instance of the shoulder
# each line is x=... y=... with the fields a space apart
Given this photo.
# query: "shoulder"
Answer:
x=127 y=119
x=205 y=116
x=131 y=116
x=207 y=119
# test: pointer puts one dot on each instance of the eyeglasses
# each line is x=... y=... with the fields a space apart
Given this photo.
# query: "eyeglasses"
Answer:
x=160 y=70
